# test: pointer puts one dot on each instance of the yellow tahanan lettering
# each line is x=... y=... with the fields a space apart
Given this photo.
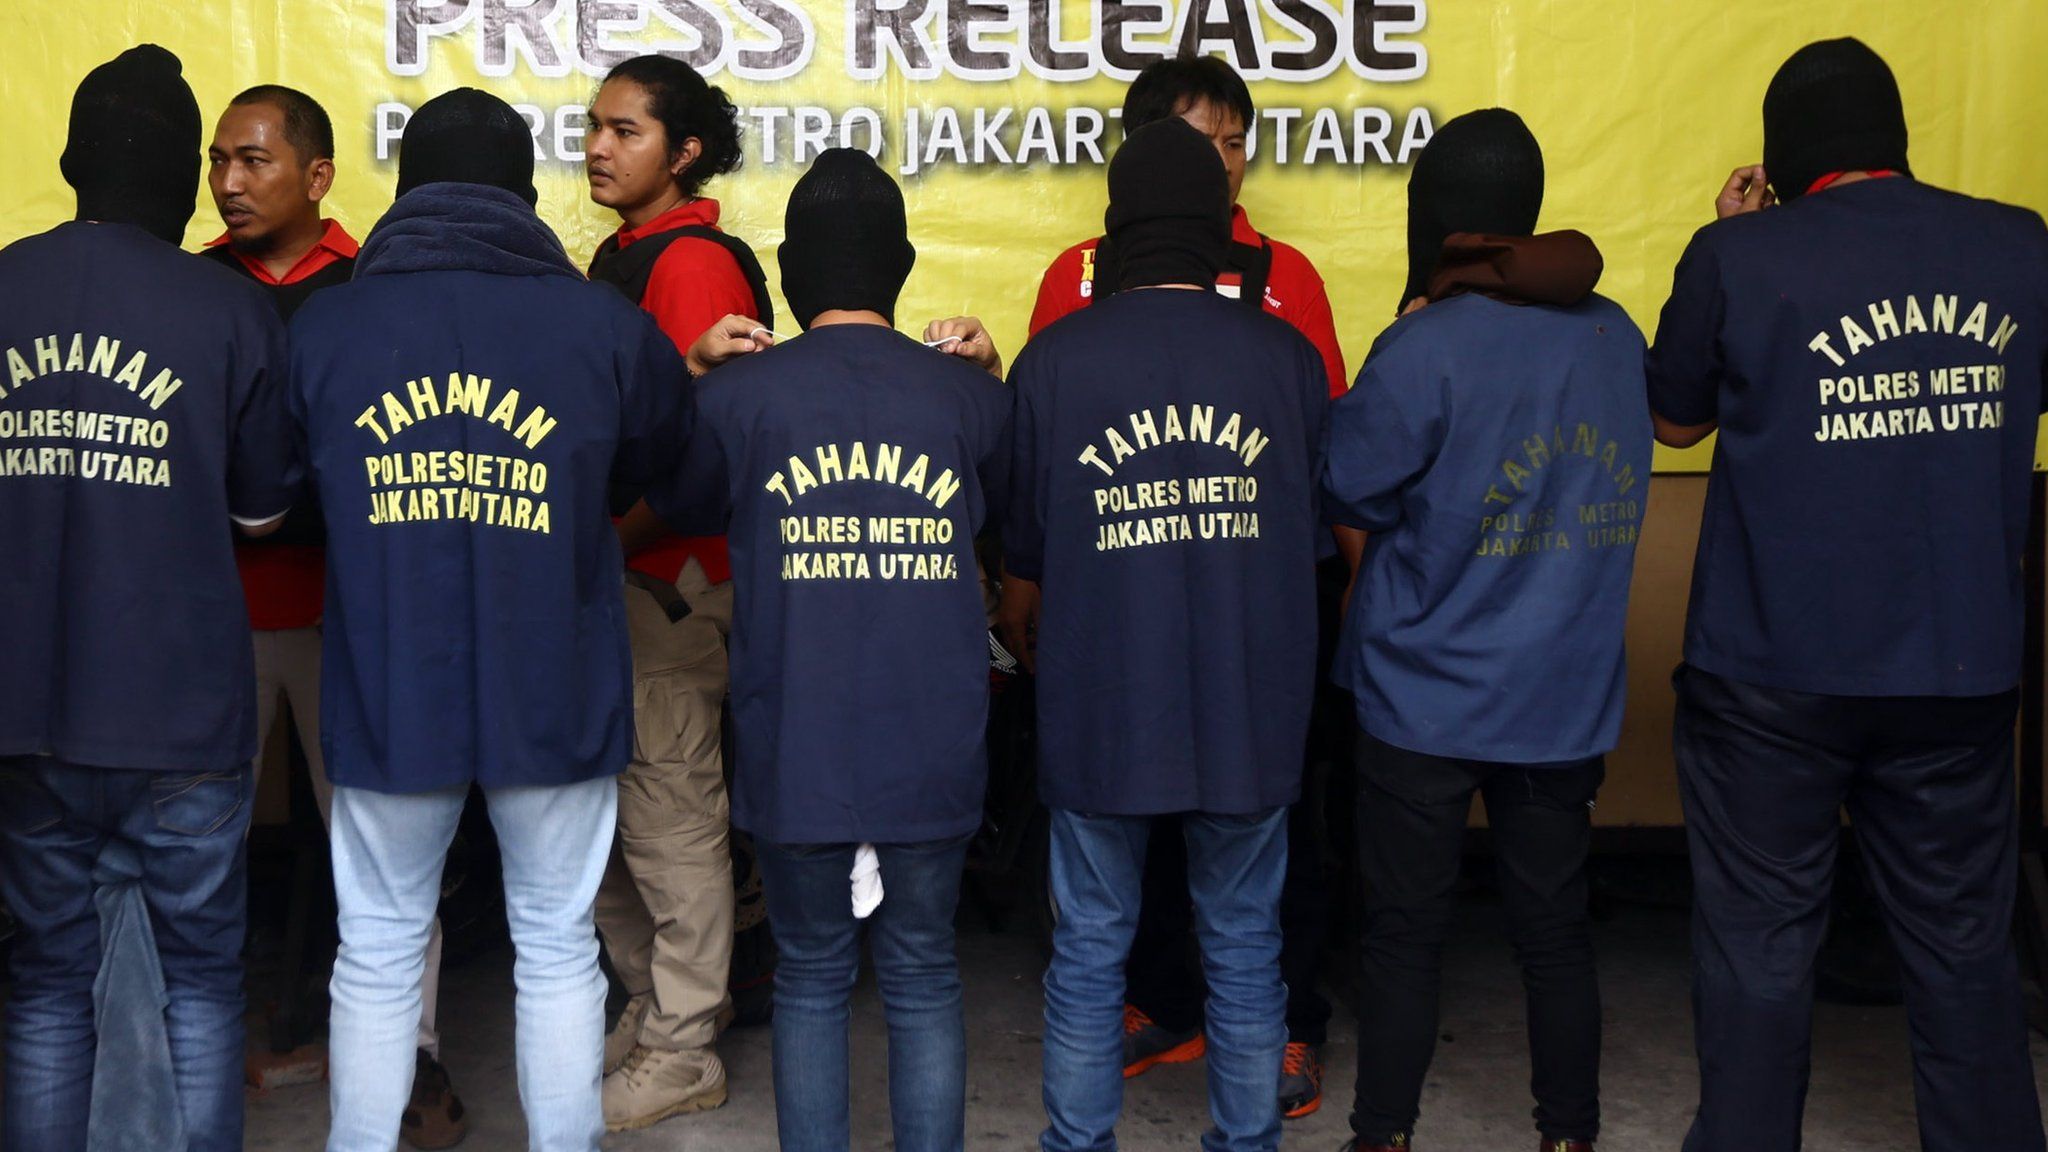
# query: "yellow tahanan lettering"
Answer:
x=857 y=462
x=1192 y=423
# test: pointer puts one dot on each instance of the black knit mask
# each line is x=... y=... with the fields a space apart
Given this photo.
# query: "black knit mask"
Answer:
x=1481 y=172
x=467 y=136
x=1833 y=107
x=133 y=149
x=1168 y=220
x=845 y=239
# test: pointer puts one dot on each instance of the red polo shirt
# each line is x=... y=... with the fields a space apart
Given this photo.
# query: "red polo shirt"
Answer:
x=1294 y=293
x=334 y=244
x=285 y=584
x=695 y=284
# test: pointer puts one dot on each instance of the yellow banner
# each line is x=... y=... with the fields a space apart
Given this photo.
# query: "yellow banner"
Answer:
x=996 y=114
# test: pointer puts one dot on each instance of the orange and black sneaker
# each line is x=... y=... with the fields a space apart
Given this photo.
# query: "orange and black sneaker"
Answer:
x=1146 y=1043
x=1549 y=1145
x=1301 y=1081
x=1396 y=1143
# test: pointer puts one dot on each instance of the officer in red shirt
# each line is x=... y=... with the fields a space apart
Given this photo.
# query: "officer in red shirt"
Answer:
x=1163 y=1021
x=269 y=167
x=658 y=133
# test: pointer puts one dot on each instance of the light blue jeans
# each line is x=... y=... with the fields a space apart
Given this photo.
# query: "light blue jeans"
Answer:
x=1235 y=868
x=388 y=852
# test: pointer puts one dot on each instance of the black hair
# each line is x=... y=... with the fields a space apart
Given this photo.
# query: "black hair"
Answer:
x=306 y=125
x=1171 y=86
x=687 y=106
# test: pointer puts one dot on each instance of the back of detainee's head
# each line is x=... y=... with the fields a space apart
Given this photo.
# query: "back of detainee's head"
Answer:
x=132 y=152
x=467 y=136
x=307 y=127
x=1168 y=220
x=845 y=239
x=1172 y=86
x=1481 y=172
x=1834 y=106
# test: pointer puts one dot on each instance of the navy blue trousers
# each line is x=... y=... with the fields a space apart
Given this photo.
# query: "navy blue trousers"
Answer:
x=1927 y=782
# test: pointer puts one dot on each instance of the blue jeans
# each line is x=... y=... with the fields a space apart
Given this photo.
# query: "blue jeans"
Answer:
x=1235 y=868
x=186 y=830
x=388 y=853
x=134 y=1082
x=811 y=911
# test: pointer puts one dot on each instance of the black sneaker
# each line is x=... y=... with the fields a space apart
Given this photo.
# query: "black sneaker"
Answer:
x=1301 y=1081
x=1146 y=1043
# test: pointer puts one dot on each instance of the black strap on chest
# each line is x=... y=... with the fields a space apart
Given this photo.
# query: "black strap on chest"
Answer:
x=628 y=269
x=1253 y=264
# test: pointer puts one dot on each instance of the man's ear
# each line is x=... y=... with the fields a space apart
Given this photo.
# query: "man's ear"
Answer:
x=323 y=180
x=685 y=156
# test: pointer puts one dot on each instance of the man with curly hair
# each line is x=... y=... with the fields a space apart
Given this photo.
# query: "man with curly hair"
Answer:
x=658 y=134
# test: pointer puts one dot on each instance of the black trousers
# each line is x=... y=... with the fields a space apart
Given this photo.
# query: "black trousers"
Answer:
x=1412 y=811
x=1928 y=784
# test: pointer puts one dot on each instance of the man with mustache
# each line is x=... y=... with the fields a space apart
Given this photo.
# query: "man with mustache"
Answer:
x=269 y=166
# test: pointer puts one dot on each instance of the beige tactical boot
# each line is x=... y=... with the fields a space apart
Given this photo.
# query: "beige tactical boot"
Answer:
x=655 y=1084
x=625 y=1035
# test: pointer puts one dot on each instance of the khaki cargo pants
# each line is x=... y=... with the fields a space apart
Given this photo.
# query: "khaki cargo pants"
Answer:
x=665 y=909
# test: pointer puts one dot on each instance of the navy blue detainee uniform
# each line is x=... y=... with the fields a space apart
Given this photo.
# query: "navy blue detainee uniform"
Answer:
x=475 y=625
x=1164 y=502
x=141 y=405
x=851 y=470
x=1873 y=354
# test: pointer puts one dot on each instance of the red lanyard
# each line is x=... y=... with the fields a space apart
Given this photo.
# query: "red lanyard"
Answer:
x=1828 y=180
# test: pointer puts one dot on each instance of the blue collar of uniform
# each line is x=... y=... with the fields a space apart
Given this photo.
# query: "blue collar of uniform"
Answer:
x=449 y=227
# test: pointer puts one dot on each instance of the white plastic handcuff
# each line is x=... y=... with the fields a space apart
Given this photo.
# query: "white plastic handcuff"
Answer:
x=941 y=342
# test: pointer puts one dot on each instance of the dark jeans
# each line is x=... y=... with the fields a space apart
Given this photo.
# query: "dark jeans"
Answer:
x=187 y=832
x=1412 y=811
x=1928 y=783
x=1163 y=973
x=911 y=935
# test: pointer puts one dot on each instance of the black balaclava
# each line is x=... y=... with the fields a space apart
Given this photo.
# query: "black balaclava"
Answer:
x=1168 y=220
x=1481 y=172
x=1833 y=107
x=467 y=136
x=845 y=240
x=133 y=150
